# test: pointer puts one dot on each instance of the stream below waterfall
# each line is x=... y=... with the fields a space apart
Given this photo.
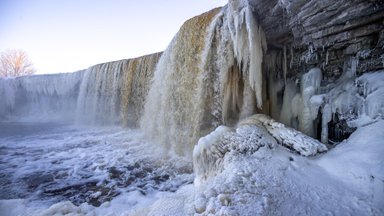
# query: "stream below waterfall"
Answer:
x=46 y=163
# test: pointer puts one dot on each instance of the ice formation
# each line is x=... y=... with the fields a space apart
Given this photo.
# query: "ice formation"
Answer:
x=332 y=110
x=203 y=94
x=277 y=182
x=251 y=134
x=210 y=74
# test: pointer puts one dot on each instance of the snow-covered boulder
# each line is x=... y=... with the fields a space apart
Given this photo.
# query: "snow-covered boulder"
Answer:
x=256 y=175
x=250 y=135
x=286 y=136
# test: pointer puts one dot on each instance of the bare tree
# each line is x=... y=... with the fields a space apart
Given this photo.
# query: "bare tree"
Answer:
x=15 y=63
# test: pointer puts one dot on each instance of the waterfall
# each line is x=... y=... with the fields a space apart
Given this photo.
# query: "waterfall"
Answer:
x=108 y=93
x=209 y=75
x=40 y=97
x=114 y=92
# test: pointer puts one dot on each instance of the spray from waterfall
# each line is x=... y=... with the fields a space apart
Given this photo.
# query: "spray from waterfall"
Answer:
x=40 y=98
x=210 y=74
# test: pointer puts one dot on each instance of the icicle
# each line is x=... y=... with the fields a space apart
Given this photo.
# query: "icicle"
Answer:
x=354 y=64
x=213 y=64
x=326 y=118
x=249 y=43
x=310 y=83
x=285 y=64
x=290 y=91
x=292 y=57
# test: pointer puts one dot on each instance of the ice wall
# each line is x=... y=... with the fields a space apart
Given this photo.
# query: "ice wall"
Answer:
x=332 y=110
x=114 y=92
x=210 y=74
x=40 y=97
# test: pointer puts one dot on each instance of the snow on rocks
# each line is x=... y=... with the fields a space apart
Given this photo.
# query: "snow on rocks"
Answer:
x=287 y=137
x=273 y=181
x=208 y=153
x=250 y=135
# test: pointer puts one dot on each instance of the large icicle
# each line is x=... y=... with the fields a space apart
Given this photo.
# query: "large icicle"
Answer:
x=249 y=43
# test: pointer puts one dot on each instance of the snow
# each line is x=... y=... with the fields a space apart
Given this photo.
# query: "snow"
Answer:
x=250 y=135
x=274 y=181
x=358 y=160
x=206 y=154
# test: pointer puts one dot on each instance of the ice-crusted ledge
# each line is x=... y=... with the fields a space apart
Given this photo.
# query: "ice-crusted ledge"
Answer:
x=286 y=136
x=250 y=135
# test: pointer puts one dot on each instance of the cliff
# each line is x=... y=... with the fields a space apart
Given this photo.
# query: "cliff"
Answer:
x=324 y=34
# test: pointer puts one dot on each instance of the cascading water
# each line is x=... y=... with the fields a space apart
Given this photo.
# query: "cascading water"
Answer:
x=40 y=98
x=110 y=93
x=114 y=92
x=210 y=67
x=208 y=84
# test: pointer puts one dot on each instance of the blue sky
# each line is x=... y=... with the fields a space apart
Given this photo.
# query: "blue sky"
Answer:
x=68 y=35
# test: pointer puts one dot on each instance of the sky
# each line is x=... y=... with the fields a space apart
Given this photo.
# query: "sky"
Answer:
x=69 y=35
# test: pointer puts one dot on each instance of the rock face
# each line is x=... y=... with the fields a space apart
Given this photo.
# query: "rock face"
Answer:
x=342 y=39
x=326 y=34
x=257 y=56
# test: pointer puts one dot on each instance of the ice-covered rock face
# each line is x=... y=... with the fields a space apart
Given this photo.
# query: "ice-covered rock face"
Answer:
x=251 y=134
x=332 y=111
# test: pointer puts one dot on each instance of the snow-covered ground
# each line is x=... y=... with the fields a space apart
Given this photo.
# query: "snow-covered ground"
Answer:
x=347 y=180
x=268 y=180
